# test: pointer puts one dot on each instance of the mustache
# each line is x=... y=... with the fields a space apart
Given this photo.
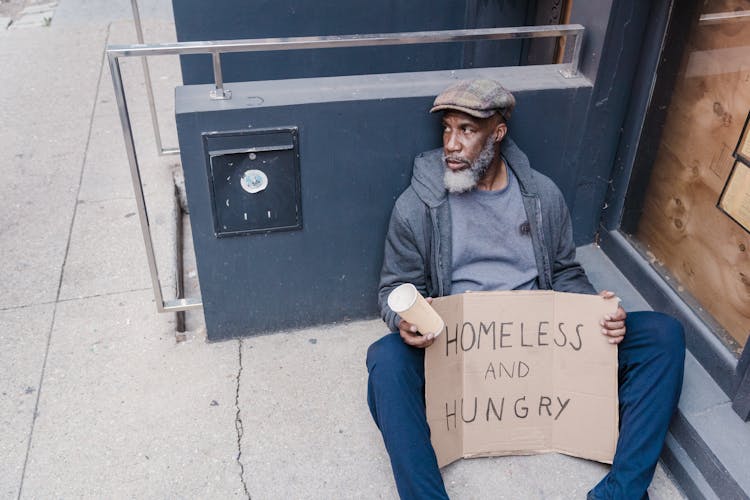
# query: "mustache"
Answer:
x=457 y=158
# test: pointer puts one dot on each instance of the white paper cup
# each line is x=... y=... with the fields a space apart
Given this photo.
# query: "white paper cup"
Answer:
x=408 y=303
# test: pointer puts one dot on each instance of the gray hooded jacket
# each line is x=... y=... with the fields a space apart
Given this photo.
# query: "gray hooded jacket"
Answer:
x=418 y=243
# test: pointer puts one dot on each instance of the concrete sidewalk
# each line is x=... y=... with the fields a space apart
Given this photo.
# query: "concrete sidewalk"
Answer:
x=99 y=400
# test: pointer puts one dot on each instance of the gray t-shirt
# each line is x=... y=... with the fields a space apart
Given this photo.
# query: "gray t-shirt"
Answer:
x=492 y=247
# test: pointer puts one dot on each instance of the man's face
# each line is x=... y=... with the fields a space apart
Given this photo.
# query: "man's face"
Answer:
x=469 y=146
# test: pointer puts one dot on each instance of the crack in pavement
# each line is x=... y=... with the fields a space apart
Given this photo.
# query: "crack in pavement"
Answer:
x=71 y=299
x=238 y=422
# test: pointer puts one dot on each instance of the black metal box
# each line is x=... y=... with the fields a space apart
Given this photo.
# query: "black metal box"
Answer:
x=254 y=180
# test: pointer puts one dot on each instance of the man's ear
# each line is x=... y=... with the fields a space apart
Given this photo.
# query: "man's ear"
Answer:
x=500 y=130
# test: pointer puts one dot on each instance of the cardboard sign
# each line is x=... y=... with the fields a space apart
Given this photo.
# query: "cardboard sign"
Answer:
x=522 y=372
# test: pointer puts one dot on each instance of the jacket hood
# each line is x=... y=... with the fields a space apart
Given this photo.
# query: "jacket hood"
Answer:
x=429 y=168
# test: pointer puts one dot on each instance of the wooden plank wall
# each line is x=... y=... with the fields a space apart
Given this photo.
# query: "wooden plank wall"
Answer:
x=706 y=251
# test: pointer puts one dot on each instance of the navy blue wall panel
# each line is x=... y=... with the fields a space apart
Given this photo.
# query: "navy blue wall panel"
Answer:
x=612 y=64
x=327 y=271
x=355 y=159
x=610 y=59
x=238 y=19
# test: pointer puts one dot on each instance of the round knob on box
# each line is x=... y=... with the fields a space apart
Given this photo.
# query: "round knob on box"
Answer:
x=254 y=181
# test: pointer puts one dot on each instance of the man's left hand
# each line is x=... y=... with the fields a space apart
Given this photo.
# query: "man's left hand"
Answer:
x=613 y=325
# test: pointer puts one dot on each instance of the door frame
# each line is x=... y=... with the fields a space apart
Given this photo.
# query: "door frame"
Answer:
x=639 y=143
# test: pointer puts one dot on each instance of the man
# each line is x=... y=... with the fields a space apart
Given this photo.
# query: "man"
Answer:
x=477 y=217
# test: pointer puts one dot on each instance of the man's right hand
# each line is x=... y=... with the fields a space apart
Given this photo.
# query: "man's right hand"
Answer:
x=411 y=337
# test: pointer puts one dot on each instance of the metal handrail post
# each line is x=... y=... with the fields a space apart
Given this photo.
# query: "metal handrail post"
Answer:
x=135 y=175
x=149 y=86
x=219 y=92
x=572 y=69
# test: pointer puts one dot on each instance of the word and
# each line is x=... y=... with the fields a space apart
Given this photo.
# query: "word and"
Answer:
x=521 y=371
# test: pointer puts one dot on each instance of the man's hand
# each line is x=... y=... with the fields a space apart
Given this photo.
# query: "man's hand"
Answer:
x=613 y=325
x=410 y=336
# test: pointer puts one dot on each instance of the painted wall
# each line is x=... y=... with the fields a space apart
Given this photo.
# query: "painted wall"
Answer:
x=570 y=132
x=239 y=19
x=355 y=158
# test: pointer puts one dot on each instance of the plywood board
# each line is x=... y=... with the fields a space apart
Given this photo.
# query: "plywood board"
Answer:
x=700 y=245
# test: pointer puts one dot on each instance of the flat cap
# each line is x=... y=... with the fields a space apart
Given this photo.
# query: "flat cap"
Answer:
x=479 y=98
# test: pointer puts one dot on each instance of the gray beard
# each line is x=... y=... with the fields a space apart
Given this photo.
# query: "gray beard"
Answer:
x=467 y=179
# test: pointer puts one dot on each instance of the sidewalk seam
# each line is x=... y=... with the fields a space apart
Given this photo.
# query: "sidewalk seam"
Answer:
x=71 y=299
x=238 y=421
x=62 y=267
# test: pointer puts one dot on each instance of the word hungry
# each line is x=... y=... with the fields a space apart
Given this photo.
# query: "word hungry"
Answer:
x=494 y=409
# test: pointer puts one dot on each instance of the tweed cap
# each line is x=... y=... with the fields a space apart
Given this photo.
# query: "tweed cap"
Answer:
x=479 y=98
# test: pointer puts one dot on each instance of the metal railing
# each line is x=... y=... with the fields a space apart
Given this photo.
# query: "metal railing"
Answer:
x=736 y=16
x=216 y=48
x=149 y=87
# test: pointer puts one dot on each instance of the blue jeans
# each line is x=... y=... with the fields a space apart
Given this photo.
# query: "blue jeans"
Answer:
x=651 y=360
